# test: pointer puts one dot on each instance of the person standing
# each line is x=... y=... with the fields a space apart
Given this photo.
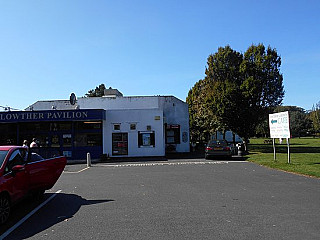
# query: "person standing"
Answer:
x=25 y=144
x=34 y=143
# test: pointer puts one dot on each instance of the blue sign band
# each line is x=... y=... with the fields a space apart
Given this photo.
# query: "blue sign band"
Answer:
x=52 y=115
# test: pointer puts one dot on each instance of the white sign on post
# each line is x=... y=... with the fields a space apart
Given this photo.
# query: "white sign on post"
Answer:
x=280 y=128
x=279 y=125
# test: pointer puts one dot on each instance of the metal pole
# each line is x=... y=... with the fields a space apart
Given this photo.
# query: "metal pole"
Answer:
x=88 y=160
x=274 y=149
x=288 y=143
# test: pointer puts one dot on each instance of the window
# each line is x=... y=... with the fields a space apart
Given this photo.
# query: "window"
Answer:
x=146 y=139
x=88 y=125
x=55 y=141
x=18 y=157
x=170 y=136
x=88 y=139
x=35 y=157
x=94 y=139
x=67 y=140
x=133 y=126
x=3 y=154
x=173 y=134
x=40 y=126
x=65 y=126
x=116 y=127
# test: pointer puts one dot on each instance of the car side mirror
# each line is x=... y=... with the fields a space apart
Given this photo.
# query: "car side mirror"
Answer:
x=18 y=168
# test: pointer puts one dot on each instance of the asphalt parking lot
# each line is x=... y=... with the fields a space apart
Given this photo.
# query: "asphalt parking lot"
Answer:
x=175 y=199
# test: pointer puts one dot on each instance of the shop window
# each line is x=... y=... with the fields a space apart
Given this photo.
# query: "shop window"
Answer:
x=88 y=125
x=67 y=140
x=39 y=126
x=173 y=134
x=65 y=126
x=55 y=141
x=60 y=126
x=54 y=127
x=119 y=143
x=94 y=140
x=88 y=139
x=80 y=140
x=42 y=140
x=146 y=139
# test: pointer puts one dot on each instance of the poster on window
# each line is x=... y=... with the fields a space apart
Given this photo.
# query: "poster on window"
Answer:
x=146 y=139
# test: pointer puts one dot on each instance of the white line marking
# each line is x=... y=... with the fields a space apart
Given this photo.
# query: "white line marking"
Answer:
x=77 y=171
x=28 y=216
x=164 y=164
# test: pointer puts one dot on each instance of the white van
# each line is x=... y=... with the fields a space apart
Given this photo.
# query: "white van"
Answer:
x=229 y=138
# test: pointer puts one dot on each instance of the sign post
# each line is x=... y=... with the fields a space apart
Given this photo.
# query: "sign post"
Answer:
x=288 y=150
x=274 y=149
x=280 y=128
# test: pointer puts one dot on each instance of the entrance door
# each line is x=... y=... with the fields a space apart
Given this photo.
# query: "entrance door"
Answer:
x=119 y=144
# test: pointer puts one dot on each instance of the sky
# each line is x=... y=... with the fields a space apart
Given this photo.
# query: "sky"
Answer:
x=50 y=49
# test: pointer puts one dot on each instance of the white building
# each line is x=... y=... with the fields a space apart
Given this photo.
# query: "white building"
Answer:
x=126 y=127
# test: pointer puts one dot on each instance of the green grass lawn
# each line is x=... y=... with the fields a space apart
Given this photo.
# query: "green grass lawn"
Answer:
x=304 y=155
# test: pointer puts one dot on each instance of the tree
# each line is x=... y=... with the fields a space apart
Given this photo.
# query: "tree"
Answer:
x=97 y=92
x=224 y=80
x=202 y=119
x=240 y=89
x=261 y=87
x=262 y=129
x=314 y=116
x=299 y=121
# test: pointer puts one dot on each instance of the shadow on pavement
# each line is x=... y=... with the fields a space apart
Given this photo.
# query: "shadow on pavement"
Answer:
x=61 y=208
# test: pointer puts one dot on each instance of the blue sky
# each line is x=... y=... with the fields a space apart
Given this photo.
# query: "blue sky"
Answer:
x=49 y=49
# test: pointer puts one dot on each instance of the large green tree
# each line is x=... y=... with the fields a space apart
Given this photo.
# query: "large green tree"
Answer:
x=261 y=87
x=299 y=121
x=223 y=95
x=97 y=92
x=202 y=119
x=314 y=116
x=240 y=89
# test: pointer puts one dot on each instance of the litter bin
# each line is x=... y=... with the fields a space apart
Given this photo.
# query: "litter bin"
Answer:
x=240 y=149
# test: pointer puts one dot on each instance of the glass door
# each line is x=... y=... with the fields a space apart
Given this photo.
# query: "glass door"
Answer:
x=119 y=144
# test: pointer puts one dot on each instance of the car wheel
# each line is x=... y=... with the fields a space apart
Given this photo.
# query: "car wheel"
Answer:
x=4 y=208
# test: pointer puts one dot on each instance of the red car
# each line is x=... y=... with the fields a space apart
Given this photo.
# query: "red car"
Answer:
x=24 y=173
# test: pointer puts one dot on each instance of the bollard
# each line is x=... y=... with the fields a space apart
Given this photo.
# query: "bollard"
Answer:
x=239 y=146
x=88 y=160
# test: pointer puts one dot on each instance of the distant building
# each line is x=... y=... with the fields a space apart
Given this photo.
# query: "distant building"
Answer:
x=112 y=125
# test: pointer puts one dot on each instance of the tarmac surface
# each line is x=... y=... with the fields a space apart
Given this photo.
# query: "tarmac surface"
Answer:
x=174 y=199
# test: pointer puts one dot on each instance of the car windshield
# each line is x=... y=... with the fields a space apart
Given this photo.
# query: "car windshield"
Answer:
x=3 y=154
x=217 y=142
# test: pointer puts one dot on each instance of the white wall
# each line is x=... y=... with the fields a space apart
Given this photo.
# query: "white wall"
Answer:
x=112 y=103
x=176 y=112
x=107 y=103
x=142 y=118
x=141 y=109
